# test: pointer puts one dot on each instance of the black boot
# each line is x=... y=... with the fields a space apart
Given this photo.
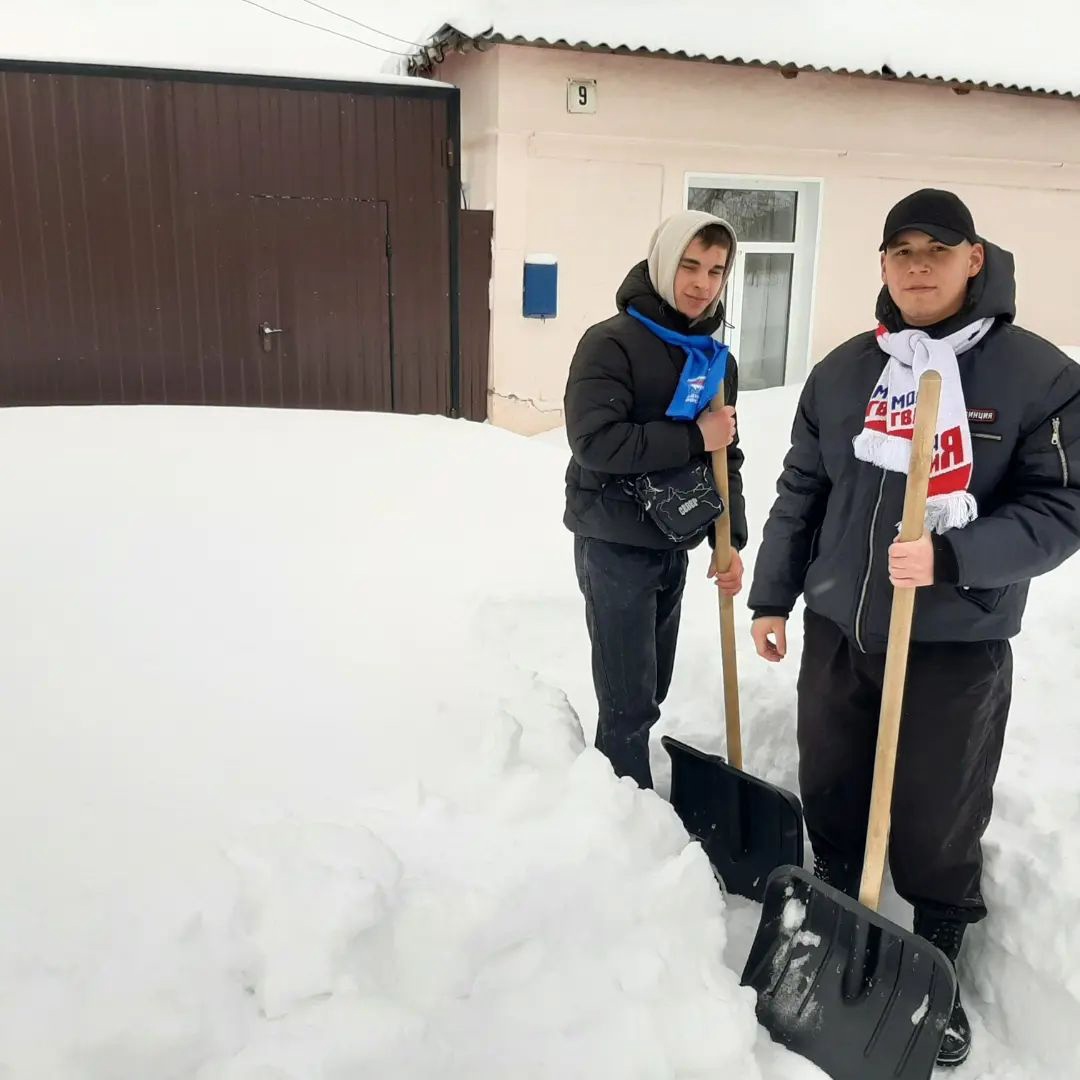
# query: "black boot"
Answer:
x=948 y=935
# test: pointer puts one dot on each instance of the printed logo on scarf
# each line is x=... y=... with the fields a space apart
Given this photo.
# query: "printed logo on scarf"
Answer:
x=694 y=387
x=949 y=470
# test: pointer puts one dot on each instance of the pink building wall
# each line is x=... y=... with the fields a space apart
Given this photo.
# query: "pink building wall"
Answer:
x=590 y=188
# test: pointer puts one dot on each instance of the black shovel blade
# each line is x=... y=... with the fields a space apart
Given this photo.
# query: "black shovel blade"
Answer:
x=747 y=827
x=845 y=987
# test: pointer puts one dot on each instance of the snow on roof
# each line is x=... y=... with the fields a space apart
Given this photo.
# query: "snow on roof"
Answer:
x=997 y=43
x=290 y=38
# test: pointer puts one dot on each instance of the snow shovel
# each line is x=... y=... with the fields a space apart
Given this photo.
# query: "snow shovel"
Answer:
x=746 y=826
x=836 y=982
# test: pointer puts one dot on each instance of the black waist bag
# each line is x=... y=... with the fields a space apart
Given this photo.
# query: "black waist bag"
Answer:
x=682 y=502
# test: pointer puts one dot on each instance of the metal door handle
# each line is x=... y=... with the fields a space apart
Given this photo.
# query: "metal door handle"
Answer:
x=266 y=330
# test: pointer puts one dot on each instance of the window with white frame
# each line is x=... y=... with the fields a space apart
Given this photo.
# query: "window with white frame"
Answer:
x=769 y=297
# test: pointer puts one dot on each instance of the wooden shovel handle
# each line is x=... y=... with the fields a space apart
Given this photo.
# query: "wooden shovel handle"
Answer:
x=903 y=609
x=722 y=561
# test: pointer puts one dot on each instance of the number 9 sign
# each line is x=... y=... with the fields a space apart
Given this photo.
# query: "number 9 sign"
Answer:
x=581 y=95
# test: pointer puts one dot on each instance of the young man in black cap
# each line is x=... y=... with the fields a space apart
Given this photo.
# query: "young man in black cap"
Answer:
x=1003 y=508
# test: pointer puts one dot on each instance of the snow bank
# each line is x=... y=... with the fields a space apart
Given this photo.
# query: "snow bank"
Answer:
x=290 y=787
x=297 y=781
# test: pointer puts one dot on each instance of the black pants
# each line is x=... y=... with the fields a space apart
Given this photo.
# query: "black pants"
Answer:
x=633 y=599
x=956 y=704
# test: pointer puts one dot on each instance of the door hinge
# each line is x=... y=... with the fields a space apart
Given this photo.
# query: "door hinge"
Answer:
x=388 y=252
x=449 y=153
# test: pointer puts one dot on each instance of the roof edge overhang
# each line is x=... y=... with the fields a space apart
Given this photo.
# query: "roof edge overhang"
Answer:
x=450 y=40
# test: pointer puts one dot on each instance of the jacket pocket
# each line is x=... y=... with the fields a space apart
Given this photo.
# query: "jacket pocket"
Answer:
x=1058 y=444
x=987 y=599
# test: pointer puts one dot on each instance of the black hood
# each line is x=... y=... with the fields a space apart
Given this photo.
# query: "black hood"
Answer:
x=637 y=290
x=991 y=294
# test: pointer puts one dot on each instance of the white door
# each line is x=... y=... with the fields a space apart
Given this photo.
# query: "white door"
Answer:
x=769 y=295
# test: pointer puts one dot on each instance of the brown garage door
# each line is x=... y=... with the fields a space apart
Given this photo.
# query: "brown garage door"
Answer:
x=293 y=306
x=275 y=301
x=324 y=282
x=135 y=253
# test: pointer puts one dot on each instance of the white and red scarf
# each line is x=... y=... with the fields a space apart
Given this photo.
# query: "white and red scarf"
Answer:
x=885 y=440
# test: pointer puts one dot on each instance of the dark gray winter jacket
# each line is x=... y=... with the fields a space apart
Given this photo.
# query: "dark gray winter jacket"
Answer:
x=828 y=534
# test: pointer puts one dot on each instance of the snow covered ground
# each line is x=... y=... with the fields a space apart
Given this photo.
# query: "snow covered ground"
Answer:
x=296 y=781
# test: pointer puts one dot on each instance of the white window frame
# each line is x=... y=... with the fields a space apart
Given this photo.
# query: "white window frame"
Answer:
x=805 y=248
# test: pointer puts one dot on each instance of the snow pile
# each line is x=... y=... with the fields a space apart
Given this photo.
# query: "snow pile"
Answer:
x=1025 y=966
x=297 y=781
x=286 y=792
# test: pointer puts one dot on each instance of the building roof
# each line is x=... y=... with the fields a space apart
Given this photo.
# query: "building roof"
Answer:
x=286 y=38
x=994 y=44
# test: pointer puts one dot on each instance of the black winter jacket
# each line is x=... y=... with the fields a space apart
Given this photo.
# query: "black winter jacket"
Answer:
x=828 y=534
x=622 y=379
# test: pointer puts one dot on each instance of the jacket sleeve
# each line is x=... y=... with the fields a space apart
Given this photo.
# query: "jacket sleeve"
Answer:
x=1037 y=526
x=796 y=515
x=598 y=404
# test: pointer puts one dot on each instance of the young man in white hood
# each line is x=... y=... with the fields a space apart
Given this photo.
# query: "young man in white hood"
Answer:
x=639 y=492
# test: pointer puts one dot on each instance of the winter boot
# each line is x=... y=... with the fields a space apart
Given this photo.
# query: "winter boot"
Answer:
x=948 y=935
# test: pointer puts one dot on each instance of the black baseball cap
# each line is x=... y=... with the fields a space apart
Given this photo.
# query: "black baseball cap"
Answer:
x=937 y=213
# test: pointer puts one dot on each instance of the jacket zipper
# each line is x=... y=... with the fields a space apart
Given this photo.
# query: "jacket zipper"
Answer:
x=869 y=565
x=1055 y=438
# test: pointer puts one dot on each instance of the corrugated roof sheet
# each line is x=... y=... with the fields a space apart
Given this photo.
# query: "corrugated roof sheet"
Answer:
x=995 y=43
